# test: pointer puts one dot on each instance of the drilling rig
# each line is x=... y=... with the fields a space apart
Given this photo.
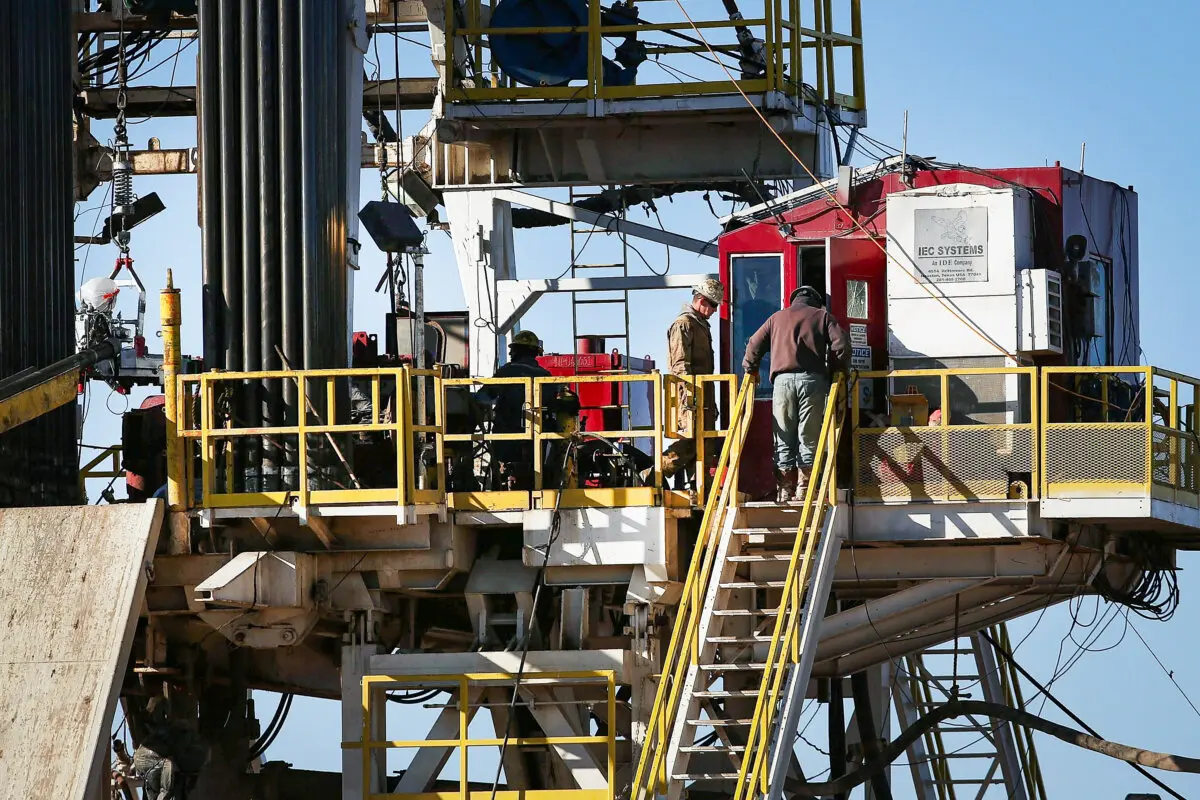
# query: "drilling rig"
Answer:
x=324 y=505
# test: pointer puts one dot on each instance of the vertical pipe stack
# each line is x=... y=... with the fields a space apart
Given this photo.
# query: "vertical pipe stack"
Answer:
x=270 y=299
x=209 y=113
x=274 y=118
x=39 y=461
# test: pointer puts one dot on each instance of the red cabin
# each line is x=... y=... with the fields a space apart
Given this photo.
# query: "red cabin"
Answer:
x=807 y=238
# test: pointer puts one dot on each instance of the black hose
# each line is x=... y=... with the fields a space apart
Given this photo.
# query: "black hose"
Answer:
x=273 y=727
x=24 y=381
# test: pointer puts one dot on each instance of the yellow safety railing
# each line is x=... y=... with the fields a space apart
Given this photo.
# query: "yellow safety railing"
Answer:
x=684 y=649
x=1097 y=432
x=315 y=450
x=1174 y=446
x=801 y=42
x=784 y=652
x=1120 y=432
x=461 y=445
x=978 y=442
x=105 y=464
x=463 y=686
x=394 y=455
x=584 y=497
x=686 y=397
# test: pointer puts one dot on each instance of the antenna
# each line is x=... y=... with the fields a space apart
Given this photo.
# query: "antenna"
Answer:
x=1082 y=156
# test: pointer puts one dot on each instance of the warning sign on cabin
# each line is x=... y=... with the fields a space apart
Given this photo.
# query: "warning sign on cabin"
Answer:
x=951 y=245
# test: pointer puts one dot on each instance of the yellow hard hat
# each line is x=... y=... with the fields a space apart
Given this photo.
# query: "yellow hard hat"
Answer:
x=710 y=289
x=527 y=339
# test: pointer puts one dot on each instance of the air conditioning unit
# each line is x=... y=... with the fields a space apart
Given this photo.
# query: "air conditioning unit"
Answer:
x=1040 y=312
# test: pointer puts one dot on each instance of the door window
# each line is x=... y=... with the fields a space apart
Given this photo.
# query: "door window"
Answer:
x=856 y=300
x=756 y=294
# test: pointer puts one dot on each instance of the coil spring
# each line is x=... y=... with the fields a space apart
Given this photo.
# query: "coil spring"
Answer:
x=122 y=178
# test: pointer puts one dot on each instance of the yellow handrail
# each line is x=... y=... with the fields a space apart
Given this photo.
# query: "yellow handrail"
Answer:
x=683 y=650
x=373 y=699
x=791 y=32
x=785 y=639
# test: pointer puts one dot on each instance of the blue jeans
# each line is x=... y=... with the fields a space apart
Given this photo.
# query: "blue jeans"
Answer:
x=797 y=405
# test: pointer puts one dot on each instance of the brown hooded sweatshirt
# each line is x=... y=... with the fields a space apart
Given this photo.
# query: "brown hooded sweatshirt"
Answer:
x=799 y=338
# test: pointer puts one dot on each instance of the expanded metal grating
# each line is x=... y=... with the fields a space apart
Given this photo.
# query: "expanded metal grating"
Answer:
x=943 y=463
x=1099 y=454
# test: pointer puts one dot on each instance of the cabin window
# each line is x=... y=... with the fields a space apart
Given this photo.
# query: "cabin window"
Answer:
x=756 y=293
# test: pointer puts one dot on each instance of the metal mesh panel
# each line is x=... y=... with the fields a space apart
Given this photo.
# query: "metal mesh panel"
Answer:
x=1174 y=460
x=942 y=463
x=1101 y=454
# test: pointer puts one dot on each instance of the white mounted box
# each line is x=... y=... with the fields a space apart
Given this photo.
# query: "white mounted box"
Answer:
x=954 y=255
x=1040 y=303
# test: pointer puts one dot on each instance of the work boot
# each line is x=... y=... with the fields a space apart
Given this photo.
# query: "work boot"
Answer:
x=786 y=483
x=802 y=484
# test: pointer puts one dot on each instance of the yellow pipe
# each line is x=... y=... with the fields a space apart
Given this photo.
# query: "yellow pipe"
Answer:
x=168 y=308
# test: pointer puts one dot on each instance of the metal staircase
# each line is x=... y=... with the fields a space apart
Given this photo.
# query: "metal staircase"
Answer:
x=966 y=757
x=740 y=657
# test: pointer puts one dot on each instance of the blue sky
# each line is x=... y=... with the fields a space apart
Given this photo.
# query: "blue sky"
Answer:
x=989 y=84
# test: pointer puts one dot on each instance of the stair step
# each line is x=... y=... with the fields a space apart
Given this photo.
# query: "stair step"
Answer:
x=749 y=666
x=767 y=531
x=746 y=612
x=705 y=776
x=720 y=693
x=753 y=585
x=720 y=723
x=755 y=559
x=738 y=639
x=713 y=749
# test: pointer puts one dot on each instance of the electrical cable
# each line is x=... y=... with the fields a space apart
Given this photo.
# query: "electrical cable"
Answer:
x=1045 y=690
x=540 y=582
x=1169 y=673
x=413 y=698
x=893 y=750
x=273 y=728
x=942 y=300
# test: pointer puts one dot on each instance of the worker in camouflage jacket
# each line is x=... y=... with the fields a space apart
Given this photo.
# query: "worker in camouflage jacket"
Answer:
x=690 y=353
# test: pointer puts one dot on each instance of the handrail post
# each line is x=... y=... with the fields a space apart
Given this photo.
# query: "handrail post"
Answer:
x=1043 y=421
x=402 y=448
x=463 y=724
x=1149 y=391
x=439 y=435
x=169 y=312
x=208 y=464
x=658 y=434
x=366 y=737
x=701 y=429
x=533 y=426
x=302 y=445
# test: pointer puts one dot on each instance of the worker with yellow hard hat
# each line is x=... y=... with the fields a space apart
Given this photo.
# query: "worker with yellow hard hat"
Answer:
x=512 y=461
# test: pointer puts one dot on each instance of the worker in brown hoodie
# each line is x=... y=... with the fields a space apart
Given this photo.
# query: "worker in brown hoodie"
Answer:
x=804 y=341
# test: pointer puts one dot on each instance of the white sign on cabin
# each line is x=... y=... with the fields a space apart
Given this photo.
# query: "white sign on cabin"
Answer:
x=951 y=244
